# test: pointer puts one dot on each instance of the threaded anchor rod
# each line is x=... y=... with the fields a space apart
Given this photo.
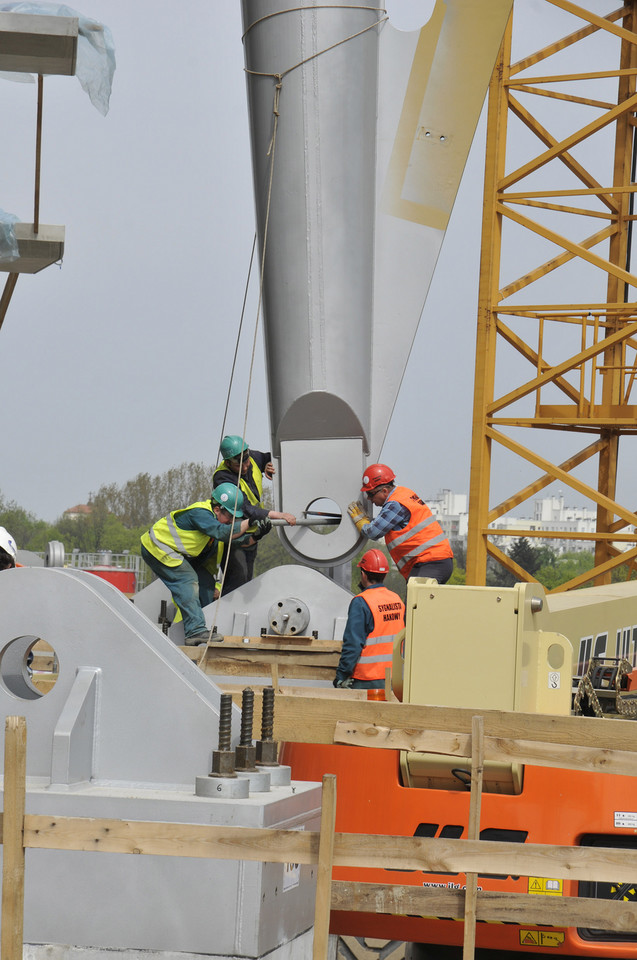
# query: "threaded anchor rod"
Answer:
x=247 y=717
x=267 y=714
x=225 y=721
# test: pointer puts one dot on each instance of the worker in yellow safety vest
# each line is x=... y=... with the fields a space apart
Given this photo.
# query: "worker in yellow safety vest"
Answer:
x=374 y=618
x=183 y=550
x=246 y=468
x=412 y=534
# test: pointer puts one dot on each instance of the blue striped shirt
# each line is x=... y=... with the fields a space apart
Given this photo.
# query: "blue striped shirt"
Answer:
x=392 y=516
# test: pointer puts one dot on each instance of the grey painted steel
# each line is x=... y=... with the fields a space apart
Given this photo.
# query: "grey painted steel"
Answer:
x=234 y=788
x=318 y=271
x=125 y=733
x=93 y=626
x=298 y=949
x=259 y=780
x=280 y=776
x=321 y=219
x=54 y=556
x=359 y=135
x=311 y=470
x=250 y=604
x=289 y=617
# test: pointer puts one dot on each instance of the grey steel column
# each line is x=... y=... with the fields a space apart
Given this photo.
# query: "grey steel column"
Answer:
x=318 y=269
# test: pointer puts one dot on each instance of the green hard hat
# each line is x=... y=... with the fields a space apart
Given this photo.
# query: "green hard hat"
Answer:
x=225 y=495
x=232 y=447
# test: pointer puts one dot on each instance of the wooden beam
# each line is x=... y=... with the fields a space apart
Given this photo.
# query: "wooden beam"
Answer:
x=309 y=720
x=491 y=907
x=496 y=749
x=7 y=293
x=473 y=833
x=431 y=855
x=324 y=870
x=327 y=693
x=15 y=747
x=170 y=839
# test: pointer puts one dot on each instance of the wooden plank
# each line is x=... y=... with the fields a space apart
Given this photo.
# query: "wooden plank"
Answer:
x=236 y=689
x=473 y=833
x=43 y=682
x=15 y=747
x=214 y=666
x=44 y=662
x=287 y=645
x=314 y=721
x=324 y=870
x=490 y=907
x=245 y=655
x=484 y=857
x=7 y=293
x=503 y=749
x=170 y=839
x=606 y=864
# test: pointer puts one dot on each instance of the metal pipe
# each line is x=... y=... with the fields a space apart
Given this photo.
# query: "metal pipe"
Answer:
x=306 y=522
x=38 y=155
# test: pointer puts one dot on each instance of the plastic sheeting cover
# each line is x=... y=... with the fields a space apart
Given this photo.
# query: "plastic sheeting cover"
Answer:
x=8 y=243
x=95 y=51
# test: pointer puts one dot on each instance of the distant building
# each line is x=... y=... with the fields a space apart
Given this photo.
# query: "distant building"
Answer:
x=549 y=514
x=450 y=510
x=81 y=510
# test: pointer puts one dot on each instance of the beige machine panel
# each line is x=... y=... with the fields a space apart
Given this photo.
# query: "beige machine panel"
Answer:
x=482 y=648
x=460 y=646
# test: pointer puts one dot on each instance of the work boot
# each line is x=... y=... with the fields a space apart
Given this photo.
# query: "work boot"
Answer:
x=202 y=637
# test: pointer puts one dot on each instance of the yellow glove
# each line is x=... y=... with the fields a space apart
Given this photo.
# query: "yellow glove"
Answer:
x=358 y=515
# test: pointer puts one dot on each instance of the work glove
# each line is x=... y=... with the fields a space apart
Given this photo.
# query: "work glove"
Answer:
x=347 y=683
x=263 y=526
x=358 y=515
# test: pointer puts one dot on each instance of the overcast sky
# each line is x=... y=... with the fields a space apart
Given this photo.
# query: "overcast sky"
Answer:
x=118 y=362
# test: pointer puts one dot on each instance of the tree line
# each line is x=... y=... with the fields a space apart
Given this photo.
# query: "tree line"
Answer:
x=119 y=515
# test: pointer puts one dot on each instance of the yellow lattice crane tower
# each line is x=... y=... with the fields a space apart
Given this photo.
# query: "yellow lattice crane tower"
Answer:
x=557 y=314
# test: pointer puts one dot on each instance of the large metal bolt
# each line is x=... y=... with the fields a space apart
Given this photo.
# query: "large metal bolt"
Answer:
x=223 y=758
x=246 y=752
x=267 y=747
x=267 y=714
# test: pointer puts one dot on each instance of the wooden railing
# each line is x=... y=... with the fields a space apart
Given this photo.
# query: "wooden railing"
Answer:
x=573 y=743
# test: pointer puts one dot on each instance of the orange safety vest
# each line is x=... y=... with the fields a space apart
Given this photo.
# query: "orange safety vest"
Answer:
x=422 y=540
x=388 y=612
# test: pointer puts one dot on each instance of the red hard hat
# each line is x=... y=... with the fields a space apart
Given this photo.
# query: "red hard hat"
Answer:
x=374 y=561
x=376 y=475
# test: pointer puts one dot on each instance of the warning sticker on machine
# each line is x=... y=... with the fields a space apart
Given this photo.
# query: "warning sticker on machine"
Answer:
x=626 y=818
x=554 y=680
x=546 y=886
x=541 y=938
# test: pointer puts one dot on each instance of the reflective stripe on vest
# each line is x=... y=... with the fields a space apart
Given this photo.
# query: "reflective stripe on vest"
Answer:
x=422 y=540
x=388 y=612
x=171 y=544
x=246 y=489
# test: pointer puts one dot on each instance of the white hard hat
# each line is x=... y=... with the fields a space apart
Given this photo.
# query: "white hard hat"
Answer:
x=7 y=542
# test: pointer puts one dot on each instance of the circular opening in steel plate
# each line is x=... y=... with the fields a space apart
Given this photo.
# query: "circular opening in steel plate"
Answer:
x=28 y=667
x=323 y=510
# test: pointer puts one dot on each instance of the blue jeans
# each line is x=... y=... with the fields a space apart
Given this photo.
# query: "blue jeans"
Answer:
x=192 y=586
